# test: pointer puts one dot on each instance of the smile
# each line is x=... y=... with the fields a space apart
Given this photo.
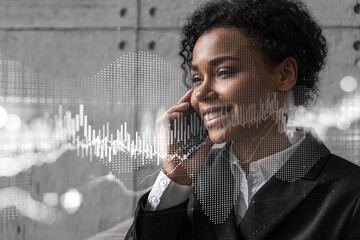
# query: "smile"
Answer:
x=213 y=117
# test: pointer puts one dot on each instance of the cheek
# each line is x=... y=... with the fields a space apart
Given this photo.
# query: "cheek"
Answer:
x=249 y=91
x=236 y=92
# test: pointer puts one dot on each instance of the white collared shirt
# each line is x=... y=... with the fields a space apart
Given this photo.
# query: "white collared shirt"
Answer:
x=260 y=172
x=166 y=193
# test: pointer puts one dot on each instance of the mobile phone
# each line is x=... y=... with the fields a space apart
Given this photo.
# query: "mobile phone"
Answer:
x=189 y=131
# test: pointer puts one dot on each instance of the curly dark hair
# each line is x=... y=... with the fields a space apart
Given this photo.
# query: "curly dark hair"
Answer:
x=280 y=29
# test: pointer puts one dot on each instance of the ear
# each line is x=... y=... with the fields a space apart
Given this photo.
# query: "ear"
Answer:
x=288 y=71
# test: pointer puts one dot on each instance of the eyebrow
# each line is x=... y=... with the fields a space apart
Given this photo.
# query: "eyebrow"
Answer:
x=215 y=62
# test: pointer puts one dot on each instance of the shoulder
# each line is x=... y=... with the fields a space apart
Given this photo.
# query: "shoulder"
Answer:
x=342 y=167
x=342 y=175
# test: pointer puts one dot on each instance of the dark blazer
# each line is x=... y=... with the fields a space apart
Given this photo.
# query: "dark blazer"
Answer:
x=314 y=195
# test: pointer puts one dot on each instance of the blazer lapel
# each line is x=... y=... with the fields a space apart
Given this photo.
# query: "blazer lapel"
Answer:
x=214 y=190
x=227 y=229
x=285 y=190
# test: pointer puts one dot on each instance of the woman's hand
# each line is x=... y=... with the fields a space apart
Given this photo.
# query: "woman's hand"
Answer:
x=178 y=169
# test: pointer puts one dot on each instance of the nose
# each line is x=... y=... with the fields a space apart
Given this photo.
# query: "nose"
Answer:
x=205 y=92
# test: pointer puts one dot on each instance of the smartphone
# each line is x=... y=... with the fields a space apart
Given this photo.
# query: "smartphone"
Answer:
x=189 y=131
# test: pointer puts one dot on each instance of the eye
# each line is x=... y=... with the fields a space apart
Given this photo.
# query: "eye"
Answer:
x=226 y=73
x=196 y=80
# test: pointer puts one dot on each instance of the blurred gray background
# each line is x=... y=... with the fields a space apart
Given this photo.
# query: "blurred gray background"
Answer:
x=64 y=45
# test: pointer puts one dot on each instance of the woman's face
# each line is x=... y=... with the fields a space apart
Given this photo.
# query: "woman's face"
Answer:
x=234 y=89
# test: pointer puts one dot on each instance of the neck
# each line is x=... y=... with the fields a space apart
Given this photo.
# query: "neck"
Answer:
x=260 y=142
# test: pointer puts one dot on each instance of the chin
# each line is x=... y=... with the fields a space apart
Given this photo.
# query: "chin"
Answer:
x=219 y=136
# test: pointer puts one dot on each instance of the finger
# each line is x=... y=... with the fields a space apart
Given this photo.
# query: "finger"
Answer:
x=164 y=122
x=172 y=116
x=167 y=118
x=179 y=107
x=172 y=113
x=186 y=97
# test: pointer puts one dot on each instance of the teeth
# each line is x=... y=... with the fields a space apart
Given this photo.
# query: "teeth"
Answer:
x=212 y=115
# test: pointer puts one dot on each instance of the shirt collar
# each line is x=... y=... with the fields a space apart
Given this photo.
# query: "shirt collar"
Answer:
x=269 y=165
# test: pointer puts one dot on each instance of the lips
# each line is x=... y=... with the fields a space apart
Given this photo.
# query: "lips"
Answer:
x=211 y=116
x=214 y=116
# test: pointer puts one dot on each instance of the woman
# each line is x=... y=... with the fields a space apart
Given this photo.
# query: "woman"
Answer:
x=250 y=61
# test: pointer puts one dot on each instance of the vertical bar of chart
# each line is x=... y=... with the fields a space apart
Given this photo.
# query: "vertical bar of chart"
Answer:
x=81 y=112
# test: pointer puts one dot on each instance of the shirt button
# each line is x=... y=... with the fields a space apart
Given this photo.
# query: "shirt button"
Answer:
x=163 y=183
x=254 y=181
x=155 y=200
